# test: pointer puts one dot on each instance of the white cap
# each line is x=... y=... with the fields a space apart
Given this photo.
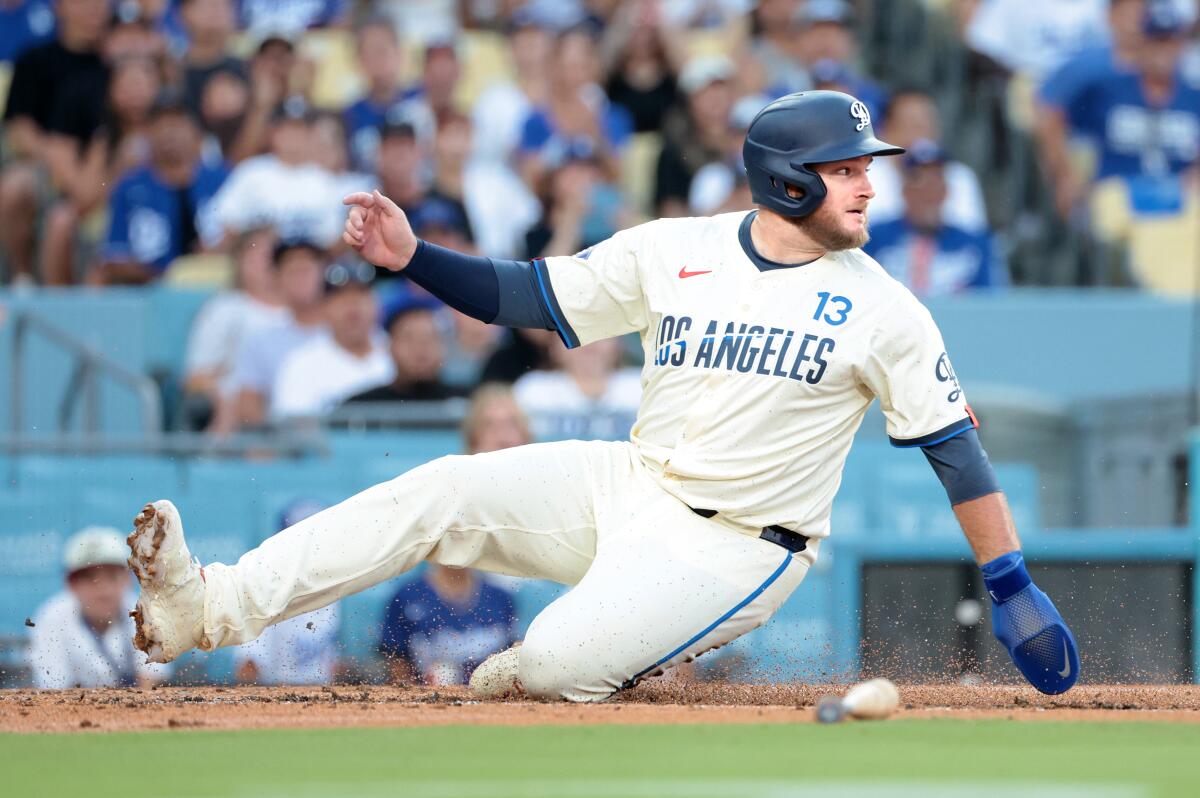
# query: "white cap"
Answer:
x=705 y=70
x=94 y=545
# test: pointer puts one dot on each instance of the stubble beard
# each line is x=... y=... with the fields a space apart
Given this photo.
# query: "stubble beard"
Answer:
x=823 y=228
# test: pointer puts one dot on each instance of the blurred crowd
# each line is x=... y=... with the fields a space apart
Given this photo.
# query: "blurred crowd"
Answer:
x=210 y=143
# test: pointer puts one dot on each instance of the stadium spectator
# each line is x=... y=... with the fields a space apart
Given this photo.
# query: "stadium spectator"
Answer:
x=643 y=63
x=494 y=420
x=1035 y=38
x=469 y=344
x=499 y=113
x=912 y=116
x=422 y=20
x=299 y=274
x=228 y=319
x=276 y=74
x=442 y=221
x=519 y=352
x=224 y=103
x=291 y=17
x=331 y=152
x=287 y=188
x=83 y=635
x=41 y=76
x=380 y=59
x=300 y=650
x=322 y=373
x=721 y=186
x=440 y=626
x=1143 y=122
x=210 y=24
x=89 y=153
x=774 y=62
x=828 y=47
x=581 y=207
x=576 y=110
x=24 y=24
x=402 y=172
x=696 y=133
x=450 y=152
x=160 y=211
x=415 y=346
x=927 y=254
x=586 y=397
x=432 y=97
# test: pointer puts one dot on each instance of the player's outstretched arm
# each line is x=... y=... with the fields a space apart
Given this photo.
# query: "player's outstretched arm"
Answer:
x=1024 y=619
x=510 y=293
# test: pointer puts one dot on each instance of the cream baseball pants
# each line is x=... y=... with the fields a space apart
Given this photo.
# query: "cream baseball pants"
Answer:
x=655 y=584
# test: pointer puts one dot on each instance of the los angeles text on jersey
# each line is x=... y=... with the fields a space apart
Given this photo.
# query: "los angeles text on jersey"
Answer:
x=744 y=347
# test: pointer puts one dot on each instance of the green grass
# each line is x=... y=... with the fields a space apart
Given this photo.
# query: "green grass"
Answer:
x=900 y=758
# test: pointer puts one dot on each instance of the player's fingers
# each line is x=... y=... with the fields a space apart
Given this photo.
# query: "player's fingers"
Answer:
x=361 y=198
x=386 y=206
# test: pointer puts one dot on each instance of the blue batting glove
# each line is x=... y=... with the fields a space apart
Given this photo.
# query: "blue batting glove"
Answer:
x=1026 y=623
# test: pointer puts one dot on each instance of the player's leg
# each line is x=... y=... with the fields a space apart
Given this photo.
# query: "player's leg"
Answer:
x=667 y=587
x=527 y=511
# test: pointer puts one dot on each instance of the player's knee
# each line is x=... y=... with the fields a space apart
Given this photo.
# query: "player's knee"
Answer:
x=559 y=673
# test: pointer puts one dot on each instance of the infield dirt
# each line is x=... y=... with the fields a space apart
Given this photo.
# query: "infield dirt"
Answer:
x=671 y=702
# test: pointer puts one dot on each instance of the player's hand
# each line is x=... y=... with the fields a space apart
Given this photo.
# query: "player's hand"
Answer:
x=1028 y=625
x=378 y=230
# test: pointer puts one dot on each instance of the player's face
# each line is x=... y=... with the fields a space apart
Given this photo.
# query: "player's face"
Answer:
x=841 y=220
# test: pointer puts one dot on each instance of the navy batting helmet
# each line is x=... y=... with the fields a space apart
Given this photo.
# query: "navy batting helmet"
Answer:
x=802 y=129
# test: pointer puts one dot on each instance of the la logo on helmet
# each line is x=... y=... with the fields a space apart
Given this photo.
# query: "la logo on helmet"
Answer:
x=859 y=111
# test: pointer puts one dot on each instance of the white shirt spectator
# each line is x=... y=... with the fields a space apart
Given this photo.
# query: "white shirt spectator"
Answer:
x=500 y=206
x=65 y=652
x=302 y=201
x=220 y=327
x=558 y=410
x=263 y=352
x=319 y=375
x=963 y=208
x=1037 y=37
x=497 y=119
x=301 y=650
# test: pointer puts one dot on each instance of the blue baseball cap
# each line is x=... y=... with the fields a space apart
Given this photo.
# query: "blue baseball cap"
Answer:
x=925 y=152
x=439 y=213
x=407 y=300
x=1163 y=19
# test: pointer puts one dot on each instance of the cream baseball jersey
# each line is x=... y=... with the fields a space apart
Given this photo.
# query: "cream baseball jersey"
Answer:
x=757 y=375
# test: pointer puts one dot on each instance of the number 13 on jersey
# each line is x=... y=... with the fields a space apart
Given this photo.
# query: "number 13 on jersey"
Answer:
x=839 y=306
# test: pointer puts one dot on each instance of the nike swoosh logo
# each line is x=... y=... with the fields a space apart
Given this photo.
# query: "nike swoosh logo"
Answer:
x=1066 y=671
x=683 y=272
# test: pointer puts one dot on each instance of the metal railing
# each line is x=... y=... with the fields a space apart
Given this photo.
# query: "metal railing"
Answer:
x=90 y=367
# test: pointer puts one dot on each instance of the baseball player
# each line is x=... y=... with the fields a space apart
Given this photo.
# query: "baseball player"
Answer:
x=766 y=334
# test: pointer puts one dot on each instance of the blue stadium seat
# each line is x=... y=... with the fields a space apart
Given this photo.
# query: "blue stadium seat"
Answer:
x=128 y=478
x=32 y=534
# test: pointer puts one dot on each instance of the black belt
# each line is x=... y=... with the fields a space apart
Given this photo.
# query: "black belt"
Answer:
x=779 y=535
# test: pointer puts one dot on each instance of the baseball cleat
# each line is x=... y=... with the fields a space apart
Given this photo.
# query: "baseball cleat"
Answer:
x=170 y=610
x=496 y=676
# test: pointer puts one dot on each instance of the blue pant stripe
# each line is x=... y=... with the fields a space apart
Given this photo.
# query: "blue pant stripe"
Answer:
x=757 y=592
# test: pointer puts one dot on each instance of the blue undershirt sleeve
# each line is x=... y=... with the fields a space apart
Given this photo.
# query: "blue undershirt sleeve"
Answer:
x=501 y=292
x=963 y=467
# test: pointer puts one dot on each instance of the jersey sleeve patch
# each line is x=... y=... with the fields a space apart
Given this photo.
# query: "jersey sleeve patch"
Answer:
x=937 y=436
